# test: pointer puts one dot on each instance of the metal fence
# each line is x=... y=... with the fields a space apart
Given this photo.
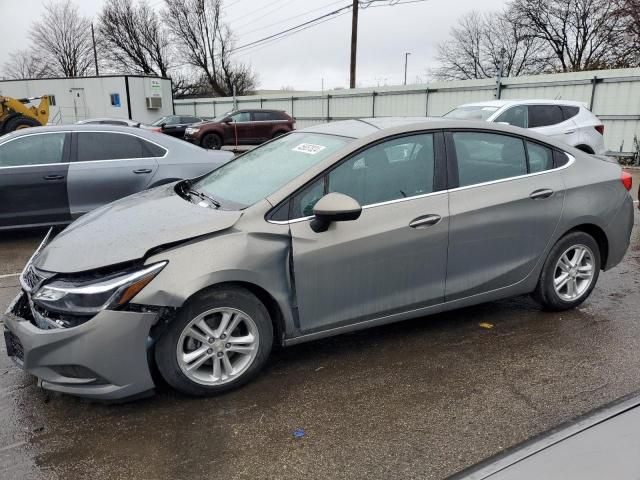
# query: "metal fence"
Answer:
x=613 y=95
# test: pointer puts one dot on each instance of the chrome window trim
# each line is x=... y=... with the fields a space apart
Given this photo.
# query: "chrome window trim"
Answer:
x=166 y=151
x=571 y=161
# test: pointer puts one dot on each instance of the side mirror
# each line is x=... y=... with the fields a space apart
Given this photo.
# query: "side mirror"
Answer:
x=162 y=125
x=227 y=120
x=334 y=207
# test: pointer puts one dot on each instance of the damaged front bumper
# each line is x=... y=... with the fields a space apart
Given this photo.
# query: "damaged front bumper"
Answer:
x=104 y=358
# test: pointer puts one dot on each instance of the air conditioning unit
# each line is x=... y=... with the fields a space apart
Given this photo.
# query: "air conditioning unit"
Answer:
x=154 y=102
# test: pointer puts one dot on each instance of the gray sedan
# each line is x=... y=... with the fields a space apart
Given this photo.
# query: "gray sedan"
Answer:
x=52 y=175
x=326 y=230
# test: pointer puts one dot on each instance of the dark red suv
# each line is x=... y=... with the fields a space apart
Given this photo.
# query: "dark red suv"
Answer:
x=242 y=127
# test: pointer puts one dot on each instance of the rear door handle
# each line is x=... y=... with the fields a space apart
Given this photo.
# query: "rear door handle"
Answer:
x=142 y=170
x=53 y=177
x=425 y=221
x=542 y=193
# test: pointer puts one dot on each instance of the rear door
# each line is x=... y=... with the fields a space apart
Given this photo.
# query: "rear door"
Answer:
x=33 y=179
x=550 y=120
x=505 y=203
x=390 y=260
x=107 y=166
x=263 y=125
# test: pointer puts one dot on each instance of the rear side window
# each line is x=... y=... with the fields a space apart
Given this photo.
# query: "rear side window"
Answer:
x=544 y=115
x=113 y=146
x=569 y=111
x=484 y=157
x=540 y=158
x=263 y=116
x=33 y=150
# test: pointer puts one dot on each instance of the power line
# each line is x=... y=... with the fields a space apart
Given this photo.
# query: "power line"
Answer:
x=291 y=18
x=295 y=28
x=258 y=10
x=255 y=48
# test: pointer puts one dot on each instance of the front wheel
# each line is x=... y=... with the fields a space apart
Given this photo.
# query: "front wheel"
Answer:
x=570 y=272
x=219 y=341
x=212 y=141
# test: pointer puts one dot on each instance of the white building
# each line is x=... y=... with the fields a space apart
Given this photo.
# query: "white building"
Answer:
x=143 y=99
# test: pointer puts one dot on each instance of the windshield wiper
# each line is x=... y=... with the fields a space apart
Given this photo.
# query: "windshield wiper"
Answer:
x=204 y=196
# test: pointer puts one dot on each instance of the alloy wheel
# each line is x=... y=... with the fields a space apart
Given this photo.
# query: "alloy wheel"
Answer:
x=217 y=346
x=574 y=272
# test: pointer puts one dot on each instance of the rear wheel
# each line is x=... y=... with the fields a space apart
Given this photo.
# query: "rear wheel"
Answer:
x=212 y=141
x=19 y=122
x=570 y=272
x=219 y=341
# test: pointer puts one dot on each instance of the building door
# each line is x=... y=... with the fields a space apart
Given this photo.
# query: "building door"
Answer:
x=79 y=104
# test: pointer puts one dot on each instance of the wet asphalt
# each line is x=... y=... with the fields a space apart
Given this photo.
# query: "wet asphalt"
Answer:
x=418 y=399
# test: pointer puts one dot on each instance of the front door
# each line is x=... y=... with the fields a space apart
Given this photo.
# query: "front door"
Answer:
x=108 y=166
x=239 y=131
x=504 y=212
x=393 y=258
x=33 y=180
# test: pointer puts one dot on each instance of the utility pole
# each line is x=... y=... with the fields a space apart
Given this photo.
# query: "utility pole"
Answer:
x=95 y=52
x=499 y=75
x=354 y=43
x=406 y=54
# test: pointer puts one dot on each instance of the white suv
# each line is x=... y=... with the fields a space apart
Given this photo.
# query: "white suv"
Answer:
x=569 y=122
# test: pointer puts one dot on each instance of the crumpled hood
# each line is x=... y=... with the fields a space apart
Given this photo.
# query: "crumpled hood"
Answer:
x=126 y=229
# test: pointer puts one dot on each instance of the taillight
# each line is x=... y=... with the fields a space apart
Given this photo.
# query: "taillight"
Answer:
x=627 y=180
x=600 y=129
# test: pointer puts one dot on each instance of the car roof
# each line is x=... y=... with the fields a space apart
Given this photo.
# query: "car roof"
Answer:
x=102 y=119
x=502 y=103
x=148 y=134
x=361 y=127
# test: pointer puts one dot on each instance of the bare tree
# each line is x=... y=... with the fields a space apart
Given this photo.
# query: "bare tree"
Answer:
x=479 y=43
x=581 y=34
x=206 y=44
x=64 y=39
x=133 y=39
x=26 y=64
x=629 y=13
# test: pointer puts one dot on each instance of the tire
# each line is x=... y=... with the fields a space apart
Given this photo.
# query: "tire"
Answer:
x=20 y=121
x=553 y=271
x=211 y=141
x=211 y=307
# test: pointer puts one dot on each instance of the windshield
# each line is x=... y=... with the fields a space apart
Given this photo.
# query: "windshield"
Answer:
x=160 y=121
x=219 y=118
x=472 y=113
x=260 y=172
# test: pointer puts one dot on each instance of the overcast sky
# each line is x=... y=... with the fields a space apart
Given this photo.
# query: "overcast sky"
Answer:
x=302 y=60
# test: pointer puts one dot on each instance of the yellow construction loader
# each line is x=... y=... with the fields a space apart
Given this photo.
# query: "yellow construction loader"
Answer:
x=16 y=113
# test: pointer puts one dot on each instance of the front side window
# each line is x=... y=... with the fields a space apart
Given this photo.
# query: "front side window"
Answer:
x=33 y=150
x=266 y=169
x=516 y=116
x=241 y=117
x=544 y=115
x=391 y=170
x=189 y=120
x=170 y=120
x=109 y=146
x=484 y=157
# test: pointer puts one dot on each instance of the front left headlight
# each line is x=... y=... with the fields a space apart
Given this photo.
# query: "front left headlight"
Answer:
x=90 y=297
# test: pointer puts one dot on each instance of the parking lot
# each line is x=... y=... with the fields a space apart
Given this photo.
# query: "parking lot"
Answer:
x=417 y=399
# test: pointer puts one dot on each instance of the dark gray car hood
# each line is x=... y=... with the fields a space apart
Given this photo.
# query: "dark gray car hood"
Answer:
x=126 y=229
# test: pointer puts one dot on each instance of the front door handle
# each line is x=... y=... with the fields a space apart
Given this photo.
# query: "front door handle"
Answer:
x=569 y=132
x=142 y=170
x=542 y=193
x=53 y=177
x=425 y=221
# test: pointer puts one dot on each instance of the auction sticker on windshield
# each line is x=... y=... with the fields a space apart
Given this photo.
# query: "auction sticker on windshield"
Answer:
x=309 y=148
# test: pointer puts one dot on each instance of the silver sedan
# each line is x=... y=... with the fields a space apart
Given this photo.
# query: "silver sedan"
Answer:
x=325 y=230
x=53 y=175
